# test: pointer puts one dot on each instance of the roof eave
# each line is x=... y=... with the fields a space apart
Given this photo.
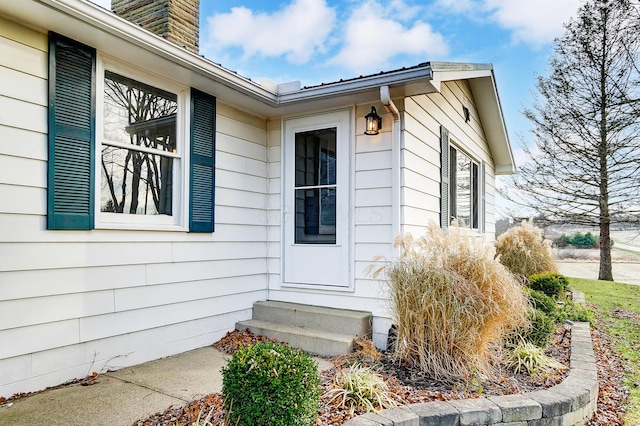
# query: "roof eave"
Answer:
x=107 y=32
x=112 y=35
x=485 y=93
x=115 y=36
x=404 y=82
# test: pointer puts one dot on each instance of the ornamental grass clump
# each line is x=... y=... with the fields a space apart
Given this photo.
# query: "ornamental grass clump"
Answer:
x=360 y=387
x=452 y=303
x=527 y=358
x=525 y=252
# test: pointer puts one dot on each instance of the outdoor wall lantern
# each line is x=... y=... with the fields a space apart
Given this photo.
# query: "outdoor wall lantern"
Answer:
x=374 y=122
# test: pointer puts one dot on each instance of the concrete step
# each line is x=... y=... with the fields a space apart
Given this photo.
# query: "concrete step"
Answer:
x=356 y=323
x=318 y=342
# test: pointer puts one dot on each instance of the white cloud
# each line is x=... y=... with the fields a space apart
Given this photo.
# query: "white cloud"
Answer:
x=533 y=22
x=297 y=32
x=374 y=35
x=400 y=10
x=457 y=6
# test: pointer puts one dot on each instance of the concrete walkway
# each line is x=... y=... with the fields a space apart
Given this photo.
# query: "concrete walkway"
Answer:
x=124 y=396
x=628 y=273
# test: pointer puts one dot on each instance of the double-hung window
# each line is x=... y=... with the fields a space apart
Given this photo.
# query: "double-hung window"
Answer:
x=140 y=153
x=464 y=189
x=461 y=191
x=126 y=150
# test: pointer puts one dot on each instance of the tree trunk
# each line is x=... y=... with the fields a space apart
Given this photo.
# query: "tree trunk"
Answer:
x=135 y=182
x=606 y=270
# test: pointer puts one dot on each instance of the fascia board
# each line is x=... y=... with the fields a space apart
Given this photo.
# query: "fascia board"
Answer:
x=401 y=77
x=485 y=94
x=104 y=30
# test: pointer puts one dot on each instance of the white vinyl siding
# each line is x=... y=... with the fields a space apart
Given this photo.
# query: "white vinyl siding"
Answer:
x=424 y=115
x=94 y=295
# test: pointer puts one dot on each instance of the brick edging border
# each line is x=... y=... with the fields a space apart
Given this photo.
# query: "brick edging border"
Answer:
x=569 y=403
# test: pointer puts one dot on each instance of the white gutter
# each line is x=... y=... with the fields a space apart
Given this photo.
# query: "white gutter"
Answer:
x=357 y=84
x=396 y=153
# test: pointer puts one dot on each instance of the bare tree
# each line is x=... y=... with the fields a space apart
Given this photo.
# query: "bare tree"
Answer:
x=585 y=167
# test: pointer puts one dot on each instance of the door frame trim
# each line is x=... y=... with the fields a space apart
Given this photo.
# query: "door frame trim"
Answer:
x=349 y=241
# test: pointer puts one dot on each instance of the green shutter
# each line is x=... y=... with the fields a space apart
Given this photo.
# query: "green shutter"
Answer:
x=482 y=197
x=71 y=134
x=202 y=165
x=444 y=178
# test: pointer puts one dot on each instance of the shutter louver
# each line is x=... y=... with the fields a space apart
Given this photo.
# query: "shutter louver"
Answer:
x=483 y=194
x=444 y=178
x=202 y=173
x=71 y=134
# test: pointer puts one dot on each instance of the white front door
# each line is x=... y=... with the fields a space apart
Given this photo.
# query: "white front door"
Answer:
x=316 y=200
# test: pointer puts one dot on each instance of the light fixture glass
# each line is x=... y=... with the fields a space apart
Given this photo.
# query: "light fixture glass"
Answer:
x=373 y=122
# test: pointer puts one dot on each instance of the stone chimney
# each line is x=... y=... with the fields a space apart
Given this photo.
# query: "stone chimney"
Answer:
x=175 y=20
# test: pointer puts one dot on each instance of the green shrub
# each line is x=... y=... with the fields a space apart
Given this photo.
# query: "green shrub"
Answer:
x=525 y=252
x=578 y=240
x=575 y=312
x=538 y=331
x=451 y=302
x=552 y=284
x=541 y=301
x=581 y=240
x=271 y=384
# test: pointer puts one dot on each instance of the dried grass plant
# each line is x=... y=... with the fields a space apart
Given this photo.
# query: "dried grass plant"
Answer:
x=452 y=302
x=364 y=353
x=525 y=252
x=528 y=358
x=360 y=386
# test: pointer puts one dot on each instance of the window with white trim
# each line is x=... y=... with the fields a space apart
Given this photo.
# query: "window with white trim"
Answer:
x=126 y=150
x=464 y=189
x=141 y=150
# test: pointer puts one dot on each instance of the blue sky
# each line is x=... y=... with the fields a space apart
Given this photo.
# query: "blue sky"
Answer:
x=317 y=41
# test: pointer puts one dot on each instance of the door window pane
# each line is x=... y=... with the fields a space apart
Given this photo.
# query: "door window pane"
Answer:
x=315 y=187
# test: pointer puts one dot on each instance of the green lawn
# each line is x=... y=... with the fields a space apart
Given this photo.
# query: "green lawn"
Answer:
x=607 y=297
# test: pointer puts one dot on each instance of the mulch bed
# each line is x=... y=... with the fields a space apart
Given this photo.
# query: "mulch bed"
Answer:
x=409 y=384
x=612 y=395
